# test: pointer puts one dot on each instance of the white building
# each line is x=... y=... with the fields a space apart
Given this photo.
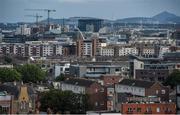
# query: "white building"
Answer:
x=124 y=51
x=149 y=51
x=107 y=51
x=23 y=30
x=78 y=86
x=134 y=90
x=87 y=48
x=136 y=64
x=61 y=69
x=47 y=49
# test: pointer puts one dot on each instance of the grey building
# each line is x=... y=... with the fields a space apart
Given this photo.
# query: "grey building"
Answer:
x=96 y=70
x=91 y=24
x=152 y=74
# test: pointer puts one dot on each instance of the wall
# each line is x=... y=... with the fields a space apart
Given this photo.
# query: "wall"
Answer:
x=155 y=108
x=129 y=89
x=156 y=90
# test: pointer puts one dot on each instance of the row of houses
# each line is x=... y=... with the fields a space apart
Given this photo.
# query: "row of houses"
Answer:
x=99 y=46
x=88 y=47
x=32 y=48
x=109 y=93
x=113 y=93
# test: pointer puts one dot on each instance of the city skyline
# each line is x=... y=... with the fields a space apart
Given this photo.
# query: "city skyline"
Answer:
x=13 y=10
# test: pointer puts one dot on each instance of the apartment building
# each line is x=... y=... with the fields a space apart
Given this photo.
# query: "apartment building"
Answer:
x=118 y=50
x=107 y=51
x=32 y=48
x=127 y=50
x=148 y=50
x=89 y=47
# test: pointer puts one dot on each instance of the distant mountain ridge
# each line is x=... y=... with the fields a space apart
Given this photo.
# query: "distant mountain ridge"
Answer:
x=161 y=18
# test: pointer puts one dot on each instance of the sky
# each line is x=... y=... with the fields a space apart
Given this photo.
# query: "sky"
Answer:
x=13 y=10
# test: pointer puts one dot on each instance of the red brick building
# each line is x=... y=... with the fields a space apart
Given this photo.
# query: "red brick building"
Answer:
x=108 y=81
x=148 y=108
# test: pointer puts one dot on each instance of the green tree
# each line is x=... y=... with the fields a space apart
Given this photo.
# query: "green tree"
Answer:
x=63 y=101
x=173 y=79
x=31 y=73
x=8 y=59
x=61 y=77
x=9 y=75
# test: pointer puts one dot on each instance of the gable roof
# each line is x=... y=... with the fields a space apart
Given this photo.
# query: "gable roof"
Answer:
x=14 y=90
x=137 y=83
x=79 y=82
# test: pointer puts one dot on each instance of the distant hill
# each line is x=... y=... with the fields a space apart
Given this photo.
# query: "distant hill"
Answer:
x=161 y=18
x=166 y=17
x=136 y=20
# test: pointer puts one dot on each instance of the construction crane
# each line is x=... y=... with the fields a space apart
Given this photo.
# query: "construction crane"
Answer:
x=37 y=18
x=46 y=10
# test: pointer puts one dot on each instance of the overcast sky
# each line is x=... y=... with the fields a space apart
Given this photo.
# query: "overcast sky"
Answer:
x=13 y=10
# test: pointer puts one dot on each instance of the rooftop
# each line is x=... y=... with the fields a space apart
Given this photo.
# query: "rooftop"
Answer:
x=79 y=82
x=137 y=83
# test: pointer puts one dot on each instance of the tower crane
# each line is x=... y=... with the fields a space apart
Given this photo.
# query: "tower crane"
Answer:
x=46 y=10
x=37 y=18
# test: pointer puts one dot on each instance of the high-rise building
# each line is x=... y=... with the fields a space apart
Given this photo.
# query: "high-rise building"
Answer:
x=90 y=25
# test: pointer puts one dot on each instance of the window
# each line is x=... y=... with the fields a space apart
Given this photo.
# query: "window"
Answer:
x=148 y=109
x=61 y=69
x=138 y=109
x=158 y=109
x=129 y=109
x=157 y=91
x=116 y=69
x=96 y=103
x=163 y=91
